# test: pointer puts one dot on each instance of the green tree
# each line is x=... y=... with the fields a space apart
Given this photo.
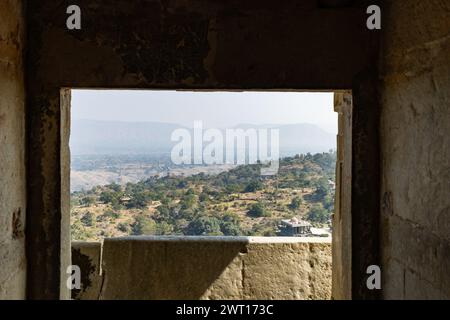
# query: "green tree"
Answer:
x=321 y=189
x=124 y=227
x=203 y=225
x=115 y=187
x=254 y=186
x=87 y=201
x=328 y=202
x=230 y=224
x=203 y=197
x=295 y=203
x=258 y=210
x=79 y=232
x=182 y=184
x=139 y=200
x=164 y=228
x=233 y=188
x=143 y=226
x=318 y=214
x=88 y=219
x=109 y=197
x=188 y=201
x=111 y=214
x=163 y=213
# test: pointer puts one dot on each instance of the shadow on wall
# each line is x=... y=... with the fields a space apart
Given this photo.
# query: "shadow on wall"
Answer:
x=194 y=268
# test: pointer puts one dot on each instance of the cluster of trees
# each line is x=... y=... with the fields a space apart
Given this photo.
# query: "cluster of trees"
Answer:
x=318 y=214
x=200 y=204
x=258 y=210
x=228 y=224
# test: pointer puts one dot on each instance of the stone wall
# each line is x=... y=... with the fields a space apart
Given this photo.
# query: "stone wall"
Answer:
x=182 y=46
x=192 y=45
x=415 y=140
x=12 y=152
x=204 y=268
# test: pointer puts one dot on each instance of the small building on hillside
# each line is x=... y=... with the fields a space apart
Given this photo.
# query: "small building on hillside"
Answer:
x=294 y=228
x=124 y=200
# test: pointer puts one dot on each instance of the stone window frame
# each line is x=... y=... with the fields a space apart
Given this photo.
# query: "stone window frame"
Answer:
x=342 y=234
x=344 y=57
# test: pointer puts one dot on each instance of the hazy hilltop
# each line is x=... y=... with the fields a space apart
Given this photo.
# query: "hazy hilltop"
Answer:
x=116 y=137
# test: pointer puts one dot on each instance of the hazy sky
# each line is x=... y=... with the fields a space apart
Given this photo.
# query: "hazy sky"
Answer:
x=215 y=109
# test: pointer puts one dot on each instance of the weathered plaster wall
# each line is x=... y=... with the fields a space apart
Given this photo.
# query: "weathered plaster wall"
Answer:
x=205 y=268
x=12 y=151
x=199 y=44
x=415 y=144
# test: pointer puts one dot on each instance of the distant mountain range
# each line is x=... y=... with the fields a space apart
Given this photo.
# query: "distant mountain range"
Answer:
x=114 y=137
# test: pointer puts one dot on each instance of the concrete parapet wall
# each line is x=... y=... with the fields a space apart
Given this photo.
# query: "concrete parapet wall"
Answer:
x=205 y=268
